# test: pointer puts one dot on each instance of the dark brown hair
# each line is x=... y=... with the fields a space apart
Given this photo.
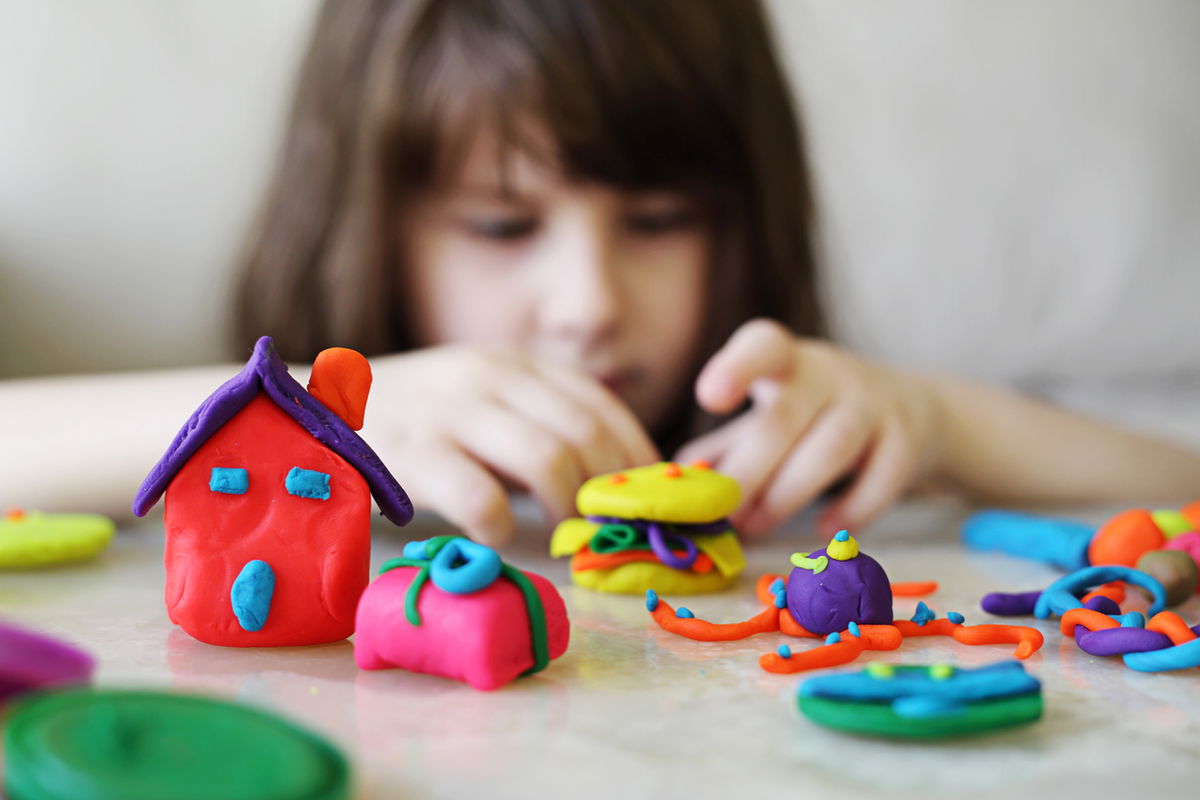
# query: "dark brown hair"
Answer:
x=685 y=94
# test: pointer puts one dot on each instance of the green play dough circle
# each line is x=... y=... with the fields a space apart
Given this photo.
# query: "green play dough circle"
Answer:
x=35 y=539
x=878 y=719
x=139 y=745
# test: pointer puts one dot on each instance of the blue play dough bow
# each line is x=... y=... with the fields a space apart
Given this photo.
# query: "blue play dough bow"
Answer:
x=1059 y=597
x=457 y=566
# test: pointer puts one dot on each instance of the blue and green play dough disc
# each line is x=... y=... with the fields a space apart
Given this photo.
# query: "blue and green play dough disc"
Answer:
x=143 y=745
x=923 y=702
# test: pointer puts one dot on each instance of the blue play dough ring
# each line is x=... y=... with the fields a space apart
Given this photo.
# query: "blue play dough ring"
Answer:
x=463 y=566
x=1060 y=596
x=1181 y=656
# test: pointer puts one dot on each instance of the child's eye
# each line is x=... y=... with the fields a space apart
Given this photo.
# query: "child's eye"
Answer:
x=665 y=220
x=502 y=228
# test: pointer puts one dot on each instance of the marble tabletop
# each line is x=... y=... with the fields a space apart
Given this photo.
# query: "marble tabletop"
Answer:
x=633 y=711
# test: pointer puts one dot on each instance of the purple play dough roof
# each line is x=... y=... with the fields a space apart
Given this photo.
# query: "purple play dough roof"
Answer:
x=266 y=372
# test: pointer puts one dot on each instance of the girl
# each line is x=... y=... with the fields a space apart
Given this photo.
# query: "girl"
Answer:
x=576 y=237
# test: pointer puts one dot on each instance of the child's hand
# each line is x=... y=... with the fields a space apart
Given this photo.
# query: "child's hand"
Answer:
x=453 y=422
x=818 y=413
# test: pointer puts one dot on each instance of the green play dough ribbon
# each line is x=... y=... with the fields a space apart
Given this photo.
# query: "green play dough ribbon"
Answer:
x=534 y=609
x=140 y=745
x=617 y=538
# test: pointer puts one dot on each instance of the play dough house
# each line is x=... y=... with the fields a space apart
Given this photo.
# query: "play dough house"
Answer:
x=268 y=505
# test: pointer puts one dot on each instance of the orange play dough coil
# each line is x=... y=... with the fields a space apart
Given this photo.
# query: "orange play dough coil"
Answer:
x=1088 y=618
x=585 y=559
x=1114 y=591
x=1124 y=538
x=1172 y=626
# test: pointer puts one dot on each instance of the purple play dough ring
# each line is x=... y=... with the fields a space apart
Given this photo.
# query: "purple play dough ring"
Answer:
x=31 y=660
x=1119 y=641
x=658 y=543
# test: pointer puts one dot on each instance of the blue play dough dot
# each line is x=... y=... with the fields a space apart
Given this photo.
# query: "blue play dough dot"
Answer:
x=955 y=617
x=781 y=599
x=651 y=600
x=833 y=638
x=683 y=612
x=923 y=614
x=784 y=651
x=778 y=586
x=841 y=536
x=463 y=567
x=251 y=595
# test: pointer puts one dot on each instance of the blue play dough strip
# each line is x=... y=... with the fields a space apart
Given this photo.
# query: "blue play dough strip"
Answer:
x=251 y=595
x=1181 y=656
x=1002 y=679
x=925 y=707
x=307 y=483
x=1062 y=543
x=229 y=480
x=1060 y=596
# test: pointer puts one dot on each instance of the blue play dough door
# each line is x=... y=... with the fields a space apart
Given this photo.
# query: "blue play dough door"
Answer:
x=251 y=595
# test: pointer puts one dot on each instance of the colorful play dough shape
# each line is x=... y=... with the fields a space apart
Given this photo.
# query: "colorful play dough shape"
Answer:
x=662 y=526
x=451 y=607
x=923 y=702
x=143 y=745
x=36 y=539
x=837 y=586
x=1174 y=569
x=31 y=661
x=268 y=508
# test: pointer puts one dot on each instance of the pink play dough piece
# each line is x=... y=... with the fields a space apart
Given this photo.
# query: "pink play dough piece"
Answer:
x=482 y=638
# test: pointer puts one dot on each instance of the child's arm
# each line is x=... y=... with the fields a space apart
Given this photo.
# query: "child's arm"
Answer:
x=86 y=442
x=819 y=412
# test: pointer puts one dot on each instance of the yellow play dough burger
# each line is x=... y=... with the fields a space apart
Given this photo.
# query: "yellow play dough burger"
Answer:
x=660 y=527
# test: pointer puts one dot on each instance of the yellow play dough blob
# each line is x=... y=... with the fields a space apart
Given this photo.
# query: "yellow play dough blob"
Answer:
x=664 y=492
x=34 y=539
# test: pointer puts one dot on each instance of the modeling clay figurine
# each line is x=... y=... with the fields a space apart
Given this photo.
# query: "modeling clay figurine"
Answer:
x=35 y=539
x=660 y=526
x=923 y=702
x=845 y=596
x=268 y=505
x=451 y=607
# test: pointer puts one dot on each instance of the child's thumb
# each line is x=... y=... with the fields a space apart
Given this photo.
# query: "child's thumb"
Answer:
x=760 y=348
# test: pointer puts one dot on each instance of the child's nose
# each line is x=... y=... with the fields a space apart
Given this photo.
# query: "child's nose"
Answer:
x=582 y=298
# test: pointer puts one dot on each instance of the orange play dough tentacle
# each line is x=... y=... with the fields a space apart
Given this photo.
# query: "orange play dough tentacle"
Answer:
x=766 y=621
x=762 y=588
x=1028 y=640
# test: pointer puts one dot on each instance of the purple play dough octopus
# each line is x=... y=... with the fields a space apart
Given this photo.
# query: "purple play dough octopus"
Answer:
x=856 y=590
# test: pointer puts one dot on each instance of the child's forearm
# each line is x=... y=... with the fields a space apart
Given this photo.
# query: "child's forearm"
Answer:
x=1001 y=446
x=86 y=442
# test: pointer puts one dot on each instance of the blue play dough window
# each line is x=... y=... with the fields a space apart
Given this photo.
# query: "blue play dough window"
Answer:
x=308 y=483
x=229 y=480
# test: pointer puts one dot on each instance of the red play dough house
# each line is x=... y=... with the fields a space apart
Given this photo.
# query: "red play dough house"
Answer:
x=268 y=505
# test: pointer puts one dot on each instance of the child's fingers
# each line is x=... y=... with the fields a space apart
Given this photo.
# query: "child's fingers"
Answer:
x=833 y=445
x=531 y=456
x=446 y=480
x=760 y=348
x=631 y=437
x=763 y=442
x=543 y=403
x=889 y=469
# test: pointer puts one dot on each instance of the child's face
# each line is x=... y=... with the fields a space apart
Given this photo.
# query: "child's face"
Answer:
x=606 y=280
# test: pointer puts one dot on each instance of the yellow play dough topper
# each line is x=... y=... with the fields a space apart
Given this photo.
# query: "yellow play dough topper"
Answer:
x=660 y=527
x=34 y=539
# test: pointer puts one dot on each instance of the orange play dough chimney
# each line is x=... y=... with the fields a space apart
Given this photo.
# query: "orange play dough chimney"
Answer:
x=341 y=380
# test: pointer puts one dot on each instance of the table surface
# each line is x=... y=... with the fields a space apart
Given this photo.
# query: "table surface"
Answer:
x=631 y=709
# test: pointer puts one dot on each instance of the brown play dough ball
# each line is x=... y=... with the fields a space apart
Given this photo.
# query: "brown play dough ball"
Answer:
x=1175 y=569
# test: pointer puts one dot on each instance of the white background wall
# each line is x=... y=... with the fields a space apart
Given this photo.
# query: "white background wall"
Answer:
x=1008 y=189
